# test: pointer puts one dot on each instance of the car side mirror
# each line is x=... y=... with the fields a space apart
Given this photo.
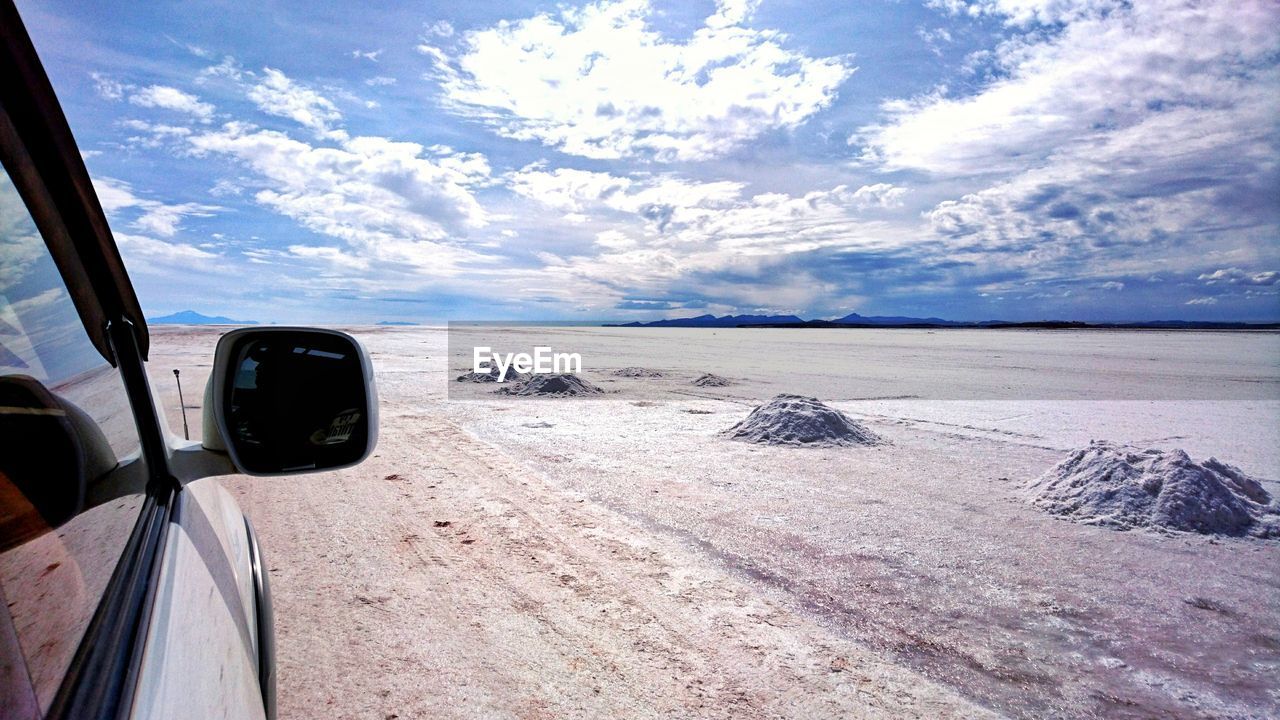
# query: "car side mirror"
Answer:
x=291 y=400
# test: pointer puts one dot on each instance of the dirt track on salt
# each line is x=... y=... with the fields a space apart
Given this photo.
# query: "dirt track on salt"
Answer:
x=602 y=558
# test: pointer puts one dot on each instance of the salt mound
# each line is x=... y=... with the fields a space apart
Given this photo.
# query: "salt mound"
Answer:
x=636 y=372
x=710 y=380
x=494 y=375
x=555 y=385
x=1124 y=487
x=797 y=420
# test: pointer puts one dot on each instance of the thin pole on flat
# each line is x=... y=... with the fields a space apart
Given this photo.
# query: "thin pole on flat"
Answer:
x=183 y=403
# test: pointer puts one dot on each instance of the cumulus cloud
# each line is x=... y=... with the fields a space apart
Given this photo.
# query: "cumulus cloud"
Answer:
x=228 y=69
x=882 y=195
x=1236 y=276
x=38 y=302
x=614 y=240
x=934 y=38
x=441 y=28
x=334 y=256
x=574 y=190
x=732 y=12
x=1114 y=138
x=665 y=234
x=153 y=134
x=402 y=211
x=394 y=202
x=680 y=212
x=1025 y=12
x=600 y=82
x=158 y=218
x=151 y=251
x=107 y=87
x=170 y=98
x=20 y=242
x=276 y=94
x=1100 y=73
x=1202 y=301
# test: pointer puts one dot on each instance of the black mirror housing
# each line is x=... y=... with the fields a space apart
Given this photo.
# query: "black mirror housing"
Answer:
x=289 y=400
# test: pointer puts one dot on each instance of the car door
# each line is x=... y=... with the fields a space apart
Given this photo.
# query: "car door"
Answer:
x=74 y=500
x=103 y=553
x=133 y=586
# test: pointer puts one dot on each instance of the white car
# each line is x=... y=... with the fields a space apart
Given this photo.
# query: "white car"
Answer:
x=132 y=583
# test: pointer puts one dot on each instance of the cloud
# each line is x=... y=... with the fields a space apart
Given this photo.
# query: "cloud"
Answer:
x=934 y=39
x=646 y=305
x=107 y=87
x=732 y=12
x=153 y=135
x=224 y=188
x=1110 y=68
x=600 y=82
x=335 y=256
x=170 y=98
x=441 y=28
x=1025 y=12
x=678 y=212
x=20 y=243
x=614 y=240
x=655 y=235
x=392 y=202
x=402 y=210
x=572 y=190
x=152 y=216
x=1202 y=301
x=882 y=195
x=35 y=303
x=139 y=249
x=1236 y=276
x=1114 y=139
x=228 y=68
x=278 y=95
x=379 y=81
x=370 y=55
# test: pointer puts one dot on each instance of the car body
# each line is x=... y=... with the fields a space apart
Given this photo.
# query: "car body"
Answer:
x=133 y=582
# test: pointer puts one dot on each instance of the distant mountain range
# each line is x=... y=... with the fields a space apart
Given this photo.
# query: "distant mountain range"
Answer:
x=854 y=320
x=894 y=320
x=191 y=317
x=717 y=322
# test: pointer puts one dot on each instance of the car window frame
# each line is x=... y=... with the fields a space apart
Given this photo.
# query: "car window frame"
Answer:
x=45 y=165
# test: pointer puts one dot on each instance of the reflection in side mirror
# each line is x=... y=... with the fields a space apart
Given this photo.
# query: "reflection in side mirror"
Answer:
x=290 y=400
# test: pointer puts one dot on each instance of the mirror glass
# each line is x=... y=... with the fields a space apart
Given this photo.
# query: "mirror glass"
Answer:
x=295 y=401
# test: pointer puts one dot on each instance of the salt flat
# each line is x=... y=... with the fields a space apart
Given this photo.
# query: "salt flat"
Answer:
x=615 y=556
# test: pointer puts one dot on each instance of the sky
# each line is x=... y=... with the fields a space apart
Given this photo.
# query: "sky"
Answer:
x=325 y=162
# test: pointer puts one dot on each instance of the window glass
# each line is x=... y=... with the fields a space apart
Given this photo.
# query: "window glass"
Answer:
x=70 y=471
